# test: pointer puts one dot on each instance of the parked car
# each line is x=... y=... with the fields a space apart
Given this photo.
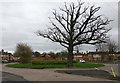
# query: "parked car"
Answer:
x=82 y=61
x=5 y=61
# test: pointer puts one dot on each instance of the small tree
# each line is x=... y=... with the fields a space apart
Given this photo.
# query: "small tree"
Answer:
x=24 y=52
x=101 y=47
x=109 y=46
x=44 y=54
x=75 y=25
x=52 y=54
x=112 y=46
x=37 y=54
x=62 y=54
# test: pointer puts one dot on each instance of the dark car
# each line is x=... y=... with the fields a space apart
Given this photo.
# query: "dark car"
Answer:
x=5 y=61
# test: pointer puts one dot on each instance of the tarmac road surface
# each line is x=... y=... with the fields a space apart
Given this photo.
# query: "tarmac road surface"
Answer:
x=11 y=77
x=41 y=75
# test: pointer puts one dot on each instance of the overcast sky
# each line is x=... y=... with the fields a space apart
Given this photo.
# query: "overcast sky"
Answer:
x=20 y=19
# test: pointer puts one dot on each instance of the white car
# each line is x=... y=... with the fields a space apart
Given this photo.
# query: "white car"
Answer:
x=82 y=61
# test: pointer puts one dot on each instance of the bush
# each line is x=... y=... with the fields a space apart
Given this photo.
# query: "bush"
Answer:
x=24 y=52
x=49 y=62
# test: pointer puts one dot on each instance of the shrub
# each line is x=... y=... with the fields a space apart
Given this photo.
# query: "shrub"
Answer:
x=24 y=52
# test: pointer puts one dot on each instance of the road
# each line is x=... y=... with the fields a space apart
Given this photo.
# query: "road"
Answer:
x=11 y=77
x=107 y=67
x=47 y=75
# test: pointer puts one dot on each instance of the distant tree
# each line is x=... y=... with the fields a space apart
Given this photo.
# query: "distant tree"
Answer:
x=101 y=47
x=61 y=54
x=58 y=54
x=15 y=55
x=37 y=54
x=112 y=46
x=24 y=52
x=77 y=48
x=75 y=25
x=52 y=54
x=109 y=46
x=44 y=54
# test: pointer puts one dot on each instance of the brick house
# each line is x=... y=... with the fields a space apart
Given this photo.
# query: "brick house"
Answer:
x=6 y=56
x=98 y=56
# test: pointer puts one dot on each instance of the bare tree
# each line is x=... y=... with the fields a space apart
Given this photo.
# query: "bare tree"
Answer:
x=109 y=46
x=77 y=48
x=112 y=46
x=101 y=47
x=75 y=25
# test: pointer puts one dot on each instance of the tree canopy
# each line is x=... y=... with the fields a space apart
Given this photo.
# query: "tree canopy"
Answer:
x=74 y=25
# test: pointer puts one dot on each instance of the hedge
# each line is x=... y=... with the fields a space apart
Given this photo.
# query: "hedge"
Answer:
x=48 y=62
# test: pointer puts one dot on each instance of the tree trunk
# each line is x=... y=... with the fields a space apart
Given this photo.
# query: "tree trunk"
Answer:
x=70 y=57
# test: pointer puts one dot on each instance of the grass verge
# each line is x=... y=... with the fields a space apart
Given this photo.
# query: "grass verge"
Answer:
x=34 y=66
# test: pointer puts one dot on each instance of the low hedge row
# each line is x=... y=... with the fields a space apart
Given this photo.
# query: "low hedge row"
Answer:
x=49 y=62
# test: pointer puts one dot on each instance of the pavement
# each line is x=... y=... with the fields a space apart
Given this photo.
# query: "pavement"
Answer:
x=47 y=75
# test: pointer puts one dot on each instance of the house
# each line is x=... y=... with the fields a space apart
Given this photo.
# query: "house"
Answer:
x=80 y=56
x=6 y=55
x=97 y=56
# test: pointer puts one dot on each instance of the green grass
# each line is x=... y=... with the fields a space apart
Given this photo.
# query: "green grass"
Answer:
x=18 y=65
x=34 y=66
